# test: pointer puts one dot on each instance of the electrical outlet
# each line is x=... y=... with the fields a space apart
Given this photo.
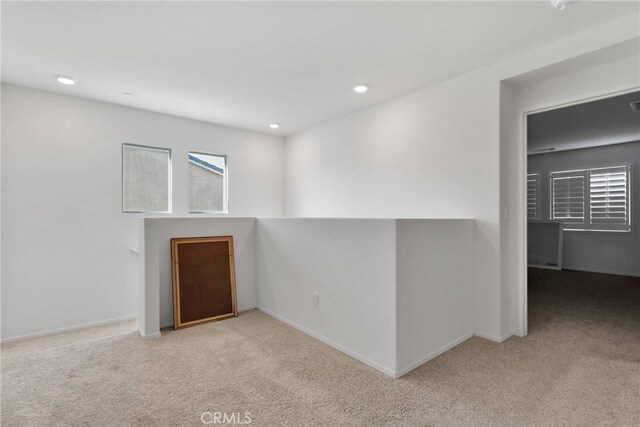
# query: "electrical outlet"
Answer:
x=316 y=299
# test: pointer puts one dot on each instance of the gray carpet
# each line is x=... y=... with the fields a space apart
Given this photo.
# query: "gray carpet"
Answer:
x=579 y=365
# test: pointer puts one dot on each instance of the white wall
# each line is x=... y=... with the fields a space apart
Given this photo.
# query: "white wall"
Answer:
x=433 y=153
x=508 y=168
x=351 y=263
x=614 y=253
x=392 y=293
x=406 y=159
x=148 y=278
x=433 y=288
x=577 y=84
x=65 y=243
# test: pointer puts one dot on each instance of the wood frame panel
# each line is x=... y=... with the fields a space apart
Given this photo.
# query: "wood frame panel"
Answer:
x=175 y=269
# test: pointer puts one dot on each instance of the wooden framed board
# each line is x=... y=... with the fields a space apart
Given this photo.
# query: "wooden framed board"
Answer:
x=204 y=282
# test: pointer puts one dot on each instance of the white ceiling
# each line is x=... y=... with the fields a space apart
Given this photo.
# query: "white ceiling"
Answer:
x=604 y=122
x=251 y=64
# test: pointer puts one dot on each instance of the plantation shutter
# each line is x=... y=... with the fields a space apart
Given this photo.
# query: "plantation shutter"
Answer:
x=609 y=198
x=533 y=186
x=568 y=197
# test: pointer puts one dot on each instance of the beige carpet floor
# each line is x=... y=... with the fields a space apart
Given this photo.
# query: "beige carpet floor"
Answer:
x=579 y=366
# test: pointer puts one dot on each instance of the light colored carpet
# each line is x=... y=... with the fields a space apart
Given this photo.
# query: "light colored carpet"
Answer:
x=580 y=365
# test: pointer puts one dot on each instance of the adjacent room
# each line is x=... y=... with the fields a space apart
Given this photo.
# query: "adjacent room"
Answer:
x=320 y=213
x=583 y=253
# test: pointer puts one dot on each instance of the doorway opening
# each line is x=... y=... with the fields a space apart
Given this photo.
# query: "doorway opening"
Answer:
x=582 y=276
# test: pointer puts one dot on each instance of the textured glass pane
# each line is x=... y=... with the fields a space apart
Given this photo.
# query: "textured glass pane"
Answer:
x=207 y=183
x=145 y=179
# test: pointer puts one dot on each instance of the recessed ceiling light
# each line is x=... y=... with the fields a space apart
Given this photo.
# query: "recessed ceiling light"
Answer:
x=361 y=88
x=558 y=4
x=66 y=80
x=274 y=125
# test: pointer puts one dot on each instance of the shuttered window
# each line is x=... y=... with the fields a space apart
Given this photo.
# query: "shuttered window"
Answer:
x=592 y=199
x=568 y=197
x=609 y=198
x=533 y=191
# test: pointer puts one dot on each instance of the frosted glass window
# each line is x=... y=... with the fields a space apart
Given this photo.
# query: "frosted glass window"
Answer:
x=146 y=179
x=207 y=183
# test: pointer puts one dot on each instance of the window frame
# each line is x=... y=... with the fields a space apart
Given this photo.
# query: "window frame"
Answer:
x=586 y=225
x=169 y=177
x=225 y=185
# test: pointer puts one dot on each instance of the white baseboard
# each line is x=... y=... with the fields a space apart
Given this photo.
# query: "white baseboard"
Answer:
x=493 y=338
x=246 y=308
x=68 y=329
x=330 y=343
x=432 y=355
x=150 y=336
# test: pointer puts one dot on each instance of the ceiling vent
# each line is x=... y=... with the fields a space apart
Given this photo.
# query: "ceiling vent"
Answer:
x=635 y=106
